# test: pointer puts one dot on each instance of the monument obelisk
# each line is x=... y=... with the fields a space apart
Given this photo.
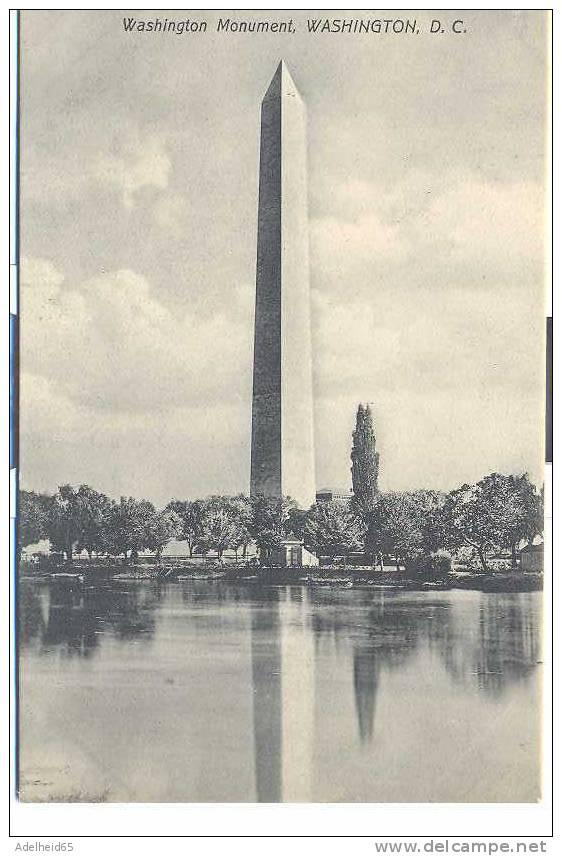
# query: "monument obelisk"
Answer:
x=282 y=405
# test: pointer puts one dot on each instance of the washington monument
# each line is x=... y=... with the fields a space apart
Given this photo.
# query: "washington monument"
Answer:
x=282 y=409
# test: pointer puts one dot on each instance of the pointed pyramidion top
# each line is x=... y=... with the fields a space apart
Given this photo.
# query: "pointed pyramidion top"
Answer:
x=282 y=84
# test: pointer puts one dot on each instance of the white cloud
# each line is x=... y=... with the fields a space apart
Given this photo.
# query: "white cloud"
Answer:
x=146 y=164
x=350 y=344
x=487 y=222
x=342 y=244
x=125 y=161
x=445 y=338
x=42 y=274
x=185 y=452
x=110 y=343
x=171 y=213
x=456 y=380
x=461 y=226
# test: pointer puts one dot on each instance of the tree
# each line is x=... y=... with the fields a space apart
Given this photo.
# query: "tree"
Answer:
x=270 y=523
x=523 y=514
x=496 y=512
x=242 y=508
x=33 y=511
x=427 y=508
x=63 y=521
x=191 y=515
x=334 y=528
x=92 y=510
x=296 y=522
x=395 y=526
x=127 y=526
x=218 y=525
x=364 y=460
x=160 y=529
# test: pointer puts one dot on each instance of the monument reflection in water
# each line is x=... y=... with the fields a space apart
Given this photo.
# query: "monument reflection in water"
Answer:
x=278 y=694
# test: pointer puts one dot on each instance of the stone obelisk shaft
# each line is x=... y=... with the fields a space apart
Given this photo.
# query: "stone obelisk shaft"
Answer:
x=282 y=406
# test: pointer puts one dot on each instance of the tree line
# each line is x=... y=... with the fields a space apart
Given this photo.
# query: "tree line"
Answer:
x=475 y=521
x=419 y=527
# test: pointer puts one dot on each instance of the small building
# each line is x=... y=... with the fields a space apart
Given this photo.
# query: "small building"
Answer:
x=293 y=554
x=328 y=494
x=532 y=557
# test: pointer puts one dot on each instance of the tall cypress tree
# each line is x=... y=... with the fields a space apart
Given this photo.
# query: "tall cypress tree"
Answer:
x=364 y=460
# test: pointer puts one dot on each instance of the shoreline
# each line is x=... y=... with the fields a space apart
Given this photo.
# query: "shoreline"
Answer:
x=510 y=581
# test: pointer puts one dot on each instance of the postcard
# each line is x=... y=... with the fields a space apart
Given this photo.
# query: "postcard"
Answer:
x=281 y=405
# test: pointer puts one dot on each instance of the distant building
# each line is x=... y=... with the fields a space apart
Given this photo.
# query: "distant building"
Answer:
x=43 y=546
x=328 y=494
x=532 y=557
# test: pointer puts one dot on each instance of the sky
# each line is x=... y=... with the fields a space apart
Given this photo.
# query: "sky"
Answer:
x=139 y=183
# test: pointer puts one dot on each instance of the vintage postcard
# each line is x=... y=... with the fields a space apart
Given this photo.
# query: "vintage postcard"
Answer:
x=281 y=405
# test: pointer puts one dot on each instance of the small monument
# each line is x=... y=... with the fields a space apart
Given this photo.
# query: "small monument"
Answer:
x=282 y=408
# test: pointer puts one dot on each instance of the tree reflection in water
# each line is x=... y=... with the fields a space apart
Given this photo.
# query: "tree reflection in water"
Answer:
x=31 y=622
x=500 y=646
x=73 y=619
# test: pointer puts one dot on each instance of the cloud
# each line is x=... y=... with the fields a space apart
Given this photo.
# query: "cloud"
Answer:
x=450 y=228
x=42 y=273
x=350 y=346
x=145 y=165
x=499 y=225
x=171 y=213
x=342 y=243
x=124 y=160
x=184 y=452
x=447 y=341
x=111 y=344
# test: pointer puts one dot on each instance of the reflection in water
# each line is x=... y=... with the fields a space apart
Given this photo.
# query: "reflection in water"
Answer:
x=504 y=657
x=498 y=647
x=72 y=620
x=389 y=637
x=31 y=623
x=383 y=633
x=366 y=671
x=316 y=693
x=266 y=688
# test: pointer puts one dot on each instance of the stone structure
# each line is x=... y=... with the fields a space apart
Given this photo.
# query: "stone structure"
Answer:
x=293 y=554
x=282 y=409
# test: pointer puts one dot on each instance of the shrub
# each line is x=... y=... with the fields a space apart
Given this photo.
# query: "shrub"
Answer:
x=430 y=566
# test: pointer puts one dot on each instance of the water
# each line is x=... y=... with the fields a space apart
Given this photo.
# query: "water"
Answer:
x=206 y=691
